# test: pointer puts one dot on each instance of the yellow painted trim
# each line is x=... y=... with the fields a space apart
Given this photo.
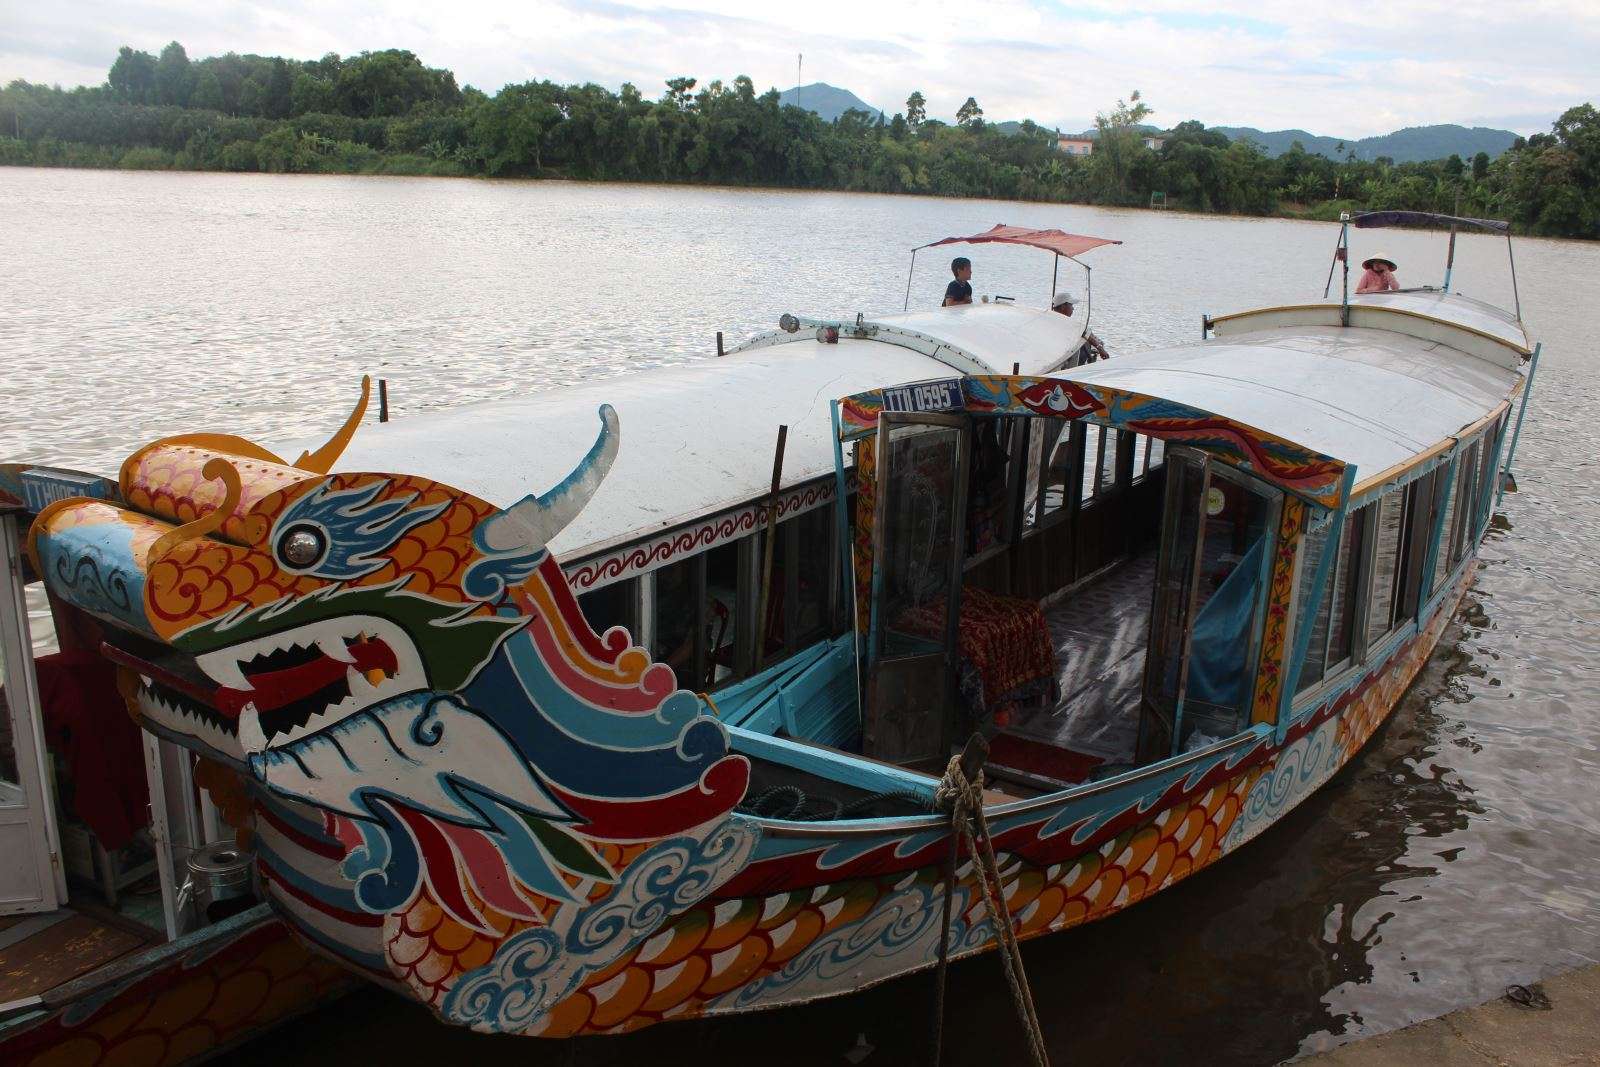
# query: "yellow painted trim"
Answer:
x=1521 y=349
x=1367 y=484
x=322 y=460
x=219 y=469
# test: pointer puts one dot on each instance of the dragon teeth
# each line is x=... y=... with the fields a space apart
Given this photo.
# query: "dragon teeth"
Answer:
x=224 y=668
x=333 y=646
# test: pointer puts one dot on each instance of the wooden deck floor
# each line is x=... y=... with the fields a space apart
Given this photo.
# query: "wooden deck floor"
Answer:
x=40 y=952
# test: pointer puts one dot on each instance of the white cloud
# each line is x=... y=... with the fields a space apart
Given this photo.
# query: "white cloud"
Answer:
x=1350 y=70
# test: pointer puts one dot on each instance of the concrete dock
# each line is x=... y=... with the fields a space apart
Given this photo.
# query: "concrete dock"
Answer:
x=1501 y=1032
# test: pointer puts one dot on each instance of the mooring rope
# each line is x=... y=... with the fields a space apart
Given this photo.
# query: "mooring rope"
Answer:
x=963 y=798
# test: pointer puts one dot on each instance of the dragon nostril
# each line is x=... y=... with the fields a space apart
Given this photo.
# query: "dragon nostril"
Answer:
x=302 y=546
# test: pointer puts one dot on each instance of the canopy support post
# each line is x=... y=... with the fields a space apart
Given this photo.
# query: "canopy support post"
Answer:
x=1055 y=270
x=909 y=273
x=1450 y=258
x=1527 y=387
x=1344 y=244
x=1510 y=255
x=1088 y=294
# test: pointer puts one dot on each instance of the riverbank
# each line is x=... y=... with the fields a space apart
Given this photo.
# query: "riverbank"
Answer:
x=356 y=161
x=1557 y=1023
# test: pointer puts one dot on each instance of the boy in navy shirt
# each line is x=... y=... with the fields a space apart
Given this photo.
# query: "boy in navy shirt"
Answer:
x=960 y=290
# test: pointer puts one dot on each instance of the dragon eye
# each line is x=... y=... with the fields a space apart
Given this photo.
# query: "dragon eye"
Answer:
x=302 y=546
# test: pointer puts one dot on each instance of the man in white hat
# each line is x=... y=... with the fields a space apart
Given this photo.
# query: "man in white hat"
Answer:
x=1063 y=303
x=1379 y=276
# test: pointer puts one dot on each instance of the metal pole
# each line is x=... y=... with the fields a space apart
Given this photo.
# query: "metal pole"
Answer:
x=1450 y=258
x=1088 y=295
x=1514 y=295
x=1055 y=269
x=772 y=540
x=383 y=400
x=1533 y=368
x=1332 y=263
x=719 y=343
x=909 y=273
x=1344 y=240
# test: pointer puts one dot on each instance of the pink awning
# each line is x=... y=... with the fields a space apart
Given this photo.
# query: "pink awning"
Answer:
x=1058 y=241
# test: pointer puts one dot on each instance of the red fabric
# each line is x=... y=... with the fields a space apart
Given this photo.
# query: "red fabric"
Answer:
x=1057 y=241
x=87 y=724
x=1004 y=640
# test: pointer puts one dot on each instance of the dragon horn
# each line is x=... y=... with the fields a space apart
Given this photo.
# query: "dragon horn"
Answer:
x=530 y=523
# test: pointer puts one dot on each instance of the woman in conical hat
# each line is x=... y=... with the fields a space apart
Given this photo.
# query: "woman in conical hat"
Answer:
x=1379 y=276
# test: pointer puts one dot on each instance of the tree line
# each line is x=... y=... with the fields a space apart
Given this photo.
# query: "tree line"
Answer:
x=387 y=112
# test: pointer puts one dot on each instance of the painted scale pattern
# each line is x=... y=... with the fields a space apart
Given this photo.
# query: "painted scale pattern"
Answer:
x=183 y=1006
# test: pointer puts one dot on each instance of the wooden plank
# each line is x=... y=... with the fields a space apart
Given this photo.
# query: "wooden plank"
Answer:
x=59 y=954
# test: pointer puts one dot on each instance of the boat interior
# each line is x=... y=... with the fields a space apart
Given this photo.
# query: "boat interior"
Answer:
x=1005 y=576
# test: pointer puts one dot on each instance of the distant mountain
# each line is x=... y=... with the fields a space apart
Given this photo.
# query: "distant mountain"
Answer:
x=828 y=101
x=1413 y=144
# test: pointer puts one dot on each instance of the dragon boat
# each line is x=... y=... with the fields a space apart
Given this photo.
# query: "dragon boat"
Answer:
x=565 y=729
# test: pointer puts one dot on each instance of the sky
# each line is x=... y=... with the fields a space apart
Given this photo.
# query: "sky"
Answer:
x=1348 y=70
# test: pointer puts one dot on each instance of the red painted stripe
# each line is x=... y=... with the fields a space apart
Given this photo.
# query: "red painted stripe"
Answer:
x=329 y=849
x=353 y=918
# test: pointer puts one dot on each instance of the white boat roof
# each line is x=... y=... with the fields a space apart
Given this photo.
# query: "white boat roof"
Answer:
x=1472 y=326
x=696 y=437
x=1370 y=397
x=998 y=335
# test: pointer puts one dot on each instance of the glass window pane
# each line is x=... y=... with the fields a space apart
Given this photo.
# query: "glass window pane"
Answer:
x=1311 y=552
x=1031 y=504
x=815 y=572
x=1158 y=451
x=918 y=539
x=1092 y=448
x=1108 y=457
x=1466 y=489
x=1056 y=444
x=674 y=628
x=1341 y=628
x=723 y=590
x=1485 y=478
x=611 y=605
x=1386 y=563
x=1441 y=559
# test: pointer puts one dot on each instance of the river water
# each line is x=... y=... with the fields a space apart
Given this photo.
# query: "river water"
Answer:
x=1458 y=854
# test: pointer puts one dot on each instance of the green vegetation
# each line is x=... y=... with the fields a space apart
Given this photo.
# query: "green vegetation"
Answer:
x=387 y=113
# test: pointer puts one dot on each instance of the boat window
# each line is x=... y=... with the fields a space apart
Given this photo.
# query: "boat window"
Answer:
x=1094 y=461
x=800 y=595
x=1057 y=444
x=1341 y=628
x=987 y=486
x=1386 y=568
x=1312 y=548
x=1441 y=559
x=1419 y=498
x=612 y=605
x=1466 y=489
x=1480 y=515
x=676 y=622
x=723 y=598
x=1147 y=453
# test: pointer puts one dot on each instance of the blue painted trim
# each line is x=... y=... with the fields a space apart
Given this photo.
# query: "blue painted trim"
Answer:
x=1522 y=410
x=1302 y=641
x=826 y=763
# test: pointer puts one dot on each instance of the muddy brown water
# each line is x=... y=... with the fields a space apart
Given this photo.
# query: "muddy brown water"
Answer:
x=1459 y=853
